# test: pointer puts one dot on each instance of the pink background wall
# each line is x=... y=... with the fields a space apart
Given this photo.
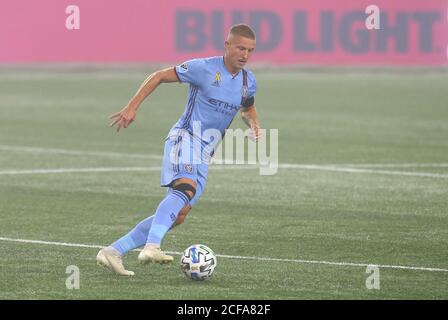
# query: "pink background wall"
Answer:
x=153 y=31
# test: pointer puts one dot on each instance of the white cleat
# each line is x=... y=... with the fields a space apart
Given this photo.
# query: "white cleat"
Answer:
x=110 y=258
x=152 y=253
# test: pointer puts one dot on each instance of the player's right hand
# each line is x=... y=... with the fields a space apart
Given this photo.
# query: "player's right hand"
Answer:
x=123 y=118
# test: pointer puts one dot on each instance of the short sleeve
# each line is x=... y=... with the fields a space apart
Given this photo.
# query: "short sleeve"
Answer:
x=190 y=71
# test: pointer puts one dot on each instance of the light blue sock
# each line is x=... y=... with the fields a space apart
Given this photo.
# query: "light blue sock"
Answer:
x=135 y=238
x=165 y=215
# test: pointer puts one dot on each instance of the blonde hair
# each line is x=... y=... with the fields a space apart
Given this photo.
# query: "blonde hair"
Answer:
x=242 y=30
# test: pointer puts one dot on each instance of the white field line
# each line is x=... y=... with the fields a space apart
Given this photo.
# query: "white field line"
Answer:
x=356 y=170
x=392 y=165
x=344 y=264
x=349 y=168
x=152 y=156
x=78 y=170
x=78 y=152
x=99 y=170
x=226 y=167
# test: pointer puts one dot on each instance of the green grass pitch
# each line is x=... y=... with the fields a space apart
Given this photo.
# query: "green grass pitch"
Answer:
x=307 y=223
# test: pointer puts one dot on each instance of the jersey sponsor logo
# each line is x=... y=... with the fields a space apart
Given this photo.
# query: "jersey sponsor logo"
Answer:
x=223 y=105
x=217 y=81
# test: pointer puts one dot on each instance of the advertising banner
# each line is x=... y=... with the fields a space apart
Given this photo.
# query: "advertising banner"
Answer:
x=318 y=32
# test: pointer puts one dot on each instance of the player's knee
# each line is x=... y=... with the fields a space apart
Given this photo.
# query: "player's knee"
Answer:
x=187 y=189
x=184 y=180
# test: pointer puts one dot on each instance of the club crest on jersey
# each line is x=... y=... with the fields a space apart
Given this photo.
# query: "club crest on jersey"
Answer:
x=188 y=168
x=217 y=81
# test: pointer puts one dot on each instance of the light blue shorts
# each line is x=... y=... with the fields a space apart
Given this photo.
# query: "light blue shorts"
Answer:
x=179 y=162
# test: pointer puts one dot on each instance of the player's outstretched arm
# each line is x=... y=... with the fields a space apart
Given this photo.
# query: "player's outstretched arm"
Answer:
x=127 y=115
x=250 y=118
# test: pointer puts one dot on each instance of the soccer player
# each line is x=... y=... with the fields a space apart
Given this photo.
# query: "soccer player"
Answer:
x=219 y=87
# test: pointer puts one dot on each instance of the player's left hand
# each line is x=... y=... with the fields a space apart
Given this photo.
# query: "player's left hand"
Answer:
x=255 y=132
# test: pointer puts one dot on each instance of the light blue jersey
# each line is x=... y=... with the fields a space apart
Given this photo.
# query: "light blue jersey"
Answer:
x=215 y=94
x=215 y=97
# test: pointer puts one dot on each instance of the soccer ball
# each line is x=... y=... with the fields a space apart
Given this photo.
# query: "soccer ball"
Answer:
x=198 y=262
